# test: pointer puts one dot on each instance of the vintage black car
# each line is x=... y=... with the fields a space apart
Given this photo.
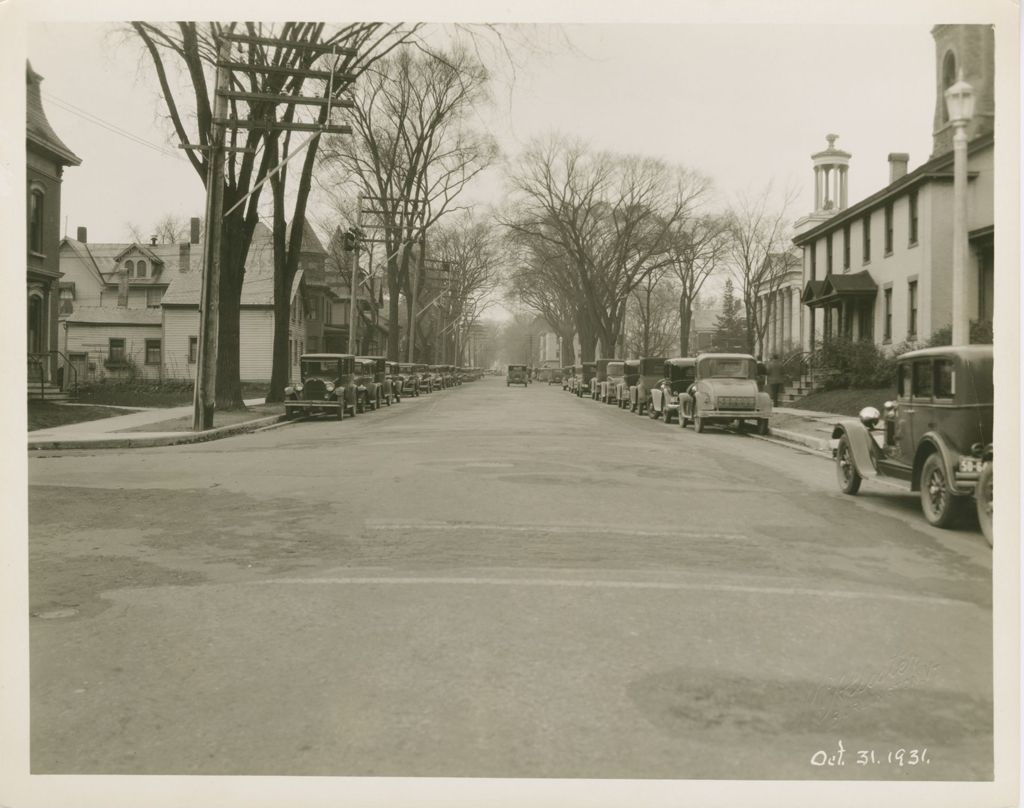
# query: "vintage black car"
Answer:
x=677 y=377
x=599 y=385
x=585 y=381
x=381 y=380
x=554 y=375
x=937 y=433
x=410 y=379
x=651 y=370
x=369 y=394
x=630 y=374
x=424 y=377
x=395 y=382
x=326 y=385
x=517 y=374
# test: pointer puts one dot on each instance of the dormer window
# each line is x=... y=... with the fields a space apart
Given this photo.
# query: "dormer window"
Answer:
x=140 y=269
x=129 y=268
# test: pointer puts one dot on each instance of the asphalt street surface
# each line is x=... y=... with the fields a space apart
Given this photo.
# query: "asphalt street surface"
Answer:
x=499 y=582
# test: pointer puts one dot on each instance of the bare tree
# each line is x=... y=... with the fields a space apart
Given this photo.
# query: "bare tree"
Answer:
x=694 y=254
x=171 y=229
x=469 y=252
x=610 y=216
x=183 y=56
x=541 y=280
x=652 y=317
x=412 y=153
x=758 y=252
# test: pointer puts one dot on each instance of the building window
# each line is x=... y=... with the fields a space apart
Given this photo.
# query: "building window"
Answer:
x=154 y=295
x=828 y=255
x=888 y=229
x=35 y=222
x=115 y=350
x=140 y=269
x=152 y=352
x=913 y=218
x=866 y=227
x=912 y=307
x=846 y=247
x=193 y=349
x=813 y=249
x=129 y=268
x=948 y=80
x=887 y=296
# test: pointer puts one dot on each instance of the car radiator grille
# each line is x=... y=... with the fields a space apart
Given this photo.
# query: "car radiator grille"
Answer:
x=314 y=390
x=736 y=403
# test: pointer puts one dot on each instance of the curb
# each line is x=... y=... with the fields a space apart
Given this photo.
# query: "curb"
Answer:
x=168 y=439
x=818 y=444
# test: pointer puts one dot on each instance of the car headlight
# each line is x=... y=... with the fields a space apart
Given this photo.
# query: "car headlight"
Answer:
x=298 y=388
x=869 y=417
x=329 y=387
x=289 y=390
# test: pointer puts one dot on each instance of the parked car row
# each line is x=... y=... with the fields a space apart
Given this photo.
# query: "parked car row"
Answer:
x=713 y=388
x=342 y=384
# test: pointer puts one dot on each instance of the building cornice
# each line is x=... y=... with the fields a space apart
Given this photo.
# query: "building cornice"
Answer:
x=936 y=169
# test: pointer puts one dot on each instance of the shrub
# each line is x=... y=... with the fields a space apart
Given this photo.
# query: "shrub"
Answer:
x=981 y=332
x=943 y=336
x=845 y=363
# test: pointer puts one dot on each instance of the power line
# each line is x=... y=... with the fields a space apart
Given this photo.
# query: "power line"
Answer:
x=111 y=127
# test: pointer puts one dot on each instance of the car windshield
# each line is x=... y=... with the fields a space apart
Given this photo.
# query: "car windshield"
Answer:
x=731 y=368
x=320 y=367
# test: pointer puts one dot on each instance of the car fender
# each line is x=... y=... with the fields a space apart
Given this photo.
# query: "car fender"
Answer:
x=656 y=398
x=764 y=403
x=933 y=442
x=863 y=449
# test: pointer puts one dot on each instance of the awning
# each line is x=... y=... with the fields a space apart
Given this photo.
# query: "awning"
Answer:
x=837 y=287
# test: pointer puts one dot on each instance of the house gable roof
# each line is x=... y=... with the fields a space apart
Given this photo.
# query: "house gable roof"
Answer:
x=257 y=285
x=103 y=259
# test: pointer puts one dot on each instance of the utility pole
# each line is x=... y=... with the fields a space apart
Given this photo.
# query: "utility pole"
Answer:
x=204 y=394
x=412 y=304
x=353 y=325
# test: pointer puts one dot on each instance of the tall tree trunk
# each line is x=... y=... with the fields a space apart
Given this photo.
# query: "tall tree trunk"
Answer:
x=394 y=332
x=282 y=358
x=568 y=349
x=685 y=318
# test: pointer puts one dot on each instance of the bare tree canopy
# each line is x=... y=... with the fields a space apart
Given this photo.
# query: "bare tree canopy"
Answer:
x=183 y=56
x=694 y=255
x=759 y=255
x=609 y=216
x=412 y=153
x=470 y=253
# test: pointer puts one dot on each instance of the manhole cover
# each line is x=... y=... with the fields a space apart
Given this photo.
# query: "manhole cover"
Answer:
x=53 y=614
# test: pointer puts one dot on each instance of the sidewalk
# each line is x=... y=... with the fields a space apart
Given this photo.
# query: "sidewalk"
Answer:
x=805 y=427
x=104 y=434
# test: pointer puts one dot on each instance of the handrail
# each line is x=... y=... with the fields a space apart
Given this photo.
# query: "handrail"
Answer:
x=38 y=359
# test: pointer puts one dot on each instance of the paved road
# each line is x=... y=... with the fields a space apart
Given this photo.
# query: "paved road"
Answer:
x=498 y=582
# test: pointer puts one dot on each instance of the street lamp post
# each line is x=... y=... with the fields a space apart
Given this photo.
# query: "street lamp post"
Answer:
x=960 y=104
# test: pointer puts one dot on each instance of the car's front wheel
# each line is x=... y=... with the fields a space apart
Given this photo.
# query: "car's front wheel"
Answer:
x=846 y=472
x=698 y=422
x=938 y=504
x=983 y=497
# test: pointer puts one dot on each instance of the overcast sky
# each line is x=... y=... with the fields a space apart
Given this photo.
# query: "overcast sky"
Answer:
x=745 y=104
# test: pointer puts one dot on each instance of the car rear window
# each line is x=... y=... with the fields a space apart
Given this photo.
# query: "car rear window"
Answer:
x=944 y=382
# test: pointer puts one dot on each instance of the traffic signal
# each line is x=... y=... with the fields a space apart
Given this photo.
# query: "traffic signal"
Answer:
x=350 y=240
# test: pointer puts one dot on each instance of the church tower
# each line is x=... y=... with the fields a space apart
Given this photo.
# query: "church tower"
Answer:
x=970 y=49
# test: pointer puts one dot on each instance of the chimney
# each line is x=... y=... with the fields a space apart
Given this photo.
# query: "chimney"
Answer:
x=194 y=230
x=184 y=257
x=152 y=241
x=898 y=165
x=83 y=235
